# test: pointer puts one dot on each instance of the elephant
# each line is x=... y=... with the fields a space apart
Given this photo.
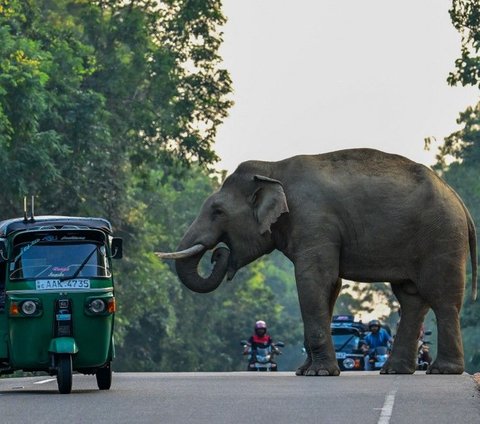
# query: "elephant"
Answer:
x=356 y=214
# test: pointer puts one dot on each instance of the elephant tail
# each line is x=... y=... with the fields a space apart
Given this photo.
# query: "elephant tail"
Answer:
x=472 y=241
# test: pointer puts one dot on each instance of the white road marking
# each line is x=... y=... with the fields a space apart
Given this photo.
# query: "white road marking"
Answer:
x=44 y=381
x=387 y=408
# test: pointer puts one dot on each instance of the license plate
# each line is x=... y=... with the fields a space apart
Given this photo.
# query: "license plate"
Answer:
x=262 y=366
x=341 y=355
x=79 y=283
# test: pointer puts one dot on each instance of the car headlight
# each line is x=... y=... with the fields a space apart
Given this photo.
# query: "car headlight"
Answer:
x=349 y=363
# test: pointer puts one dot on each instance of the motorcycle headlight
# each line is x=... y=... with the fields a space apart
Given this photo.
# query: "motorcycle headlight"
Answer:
x=349 y=363
x=29 y=307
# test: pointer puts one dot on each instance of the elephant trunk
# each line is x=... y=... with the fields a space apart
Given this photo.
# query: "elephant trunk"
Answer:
x=187 y=270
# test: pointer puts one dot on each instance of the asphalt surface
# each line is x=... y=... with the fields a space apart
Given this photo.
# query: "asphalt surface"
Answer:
x=246 y=398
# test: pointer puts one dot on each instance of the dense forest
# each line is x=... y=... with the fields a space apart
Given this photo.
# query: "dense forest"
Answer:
x=110 y=108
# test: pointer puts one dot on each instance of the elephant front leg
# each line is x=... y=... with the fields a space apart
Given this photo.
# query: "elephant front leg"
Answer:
x=317 y=295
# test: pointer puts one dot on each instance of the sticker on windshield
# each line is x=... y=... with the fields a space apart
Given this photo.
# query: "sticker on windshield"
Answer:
x=78 y=283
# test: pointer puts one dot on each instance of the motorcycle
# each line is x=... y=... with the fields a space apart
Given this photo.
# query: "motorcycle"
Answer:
x=377 y=357
x=423 y=354
x=262 y=358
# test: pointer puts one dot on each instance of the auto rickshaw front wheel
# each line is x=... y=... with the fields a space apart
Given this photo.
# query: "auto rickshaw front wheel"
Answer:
x=104 y=377
x=64 y=373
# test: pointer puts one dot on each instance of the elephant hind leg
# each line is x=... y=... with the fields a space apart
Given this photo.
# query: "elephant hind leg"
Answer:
x=445 y=299
x=403 y=359
x=450 y=358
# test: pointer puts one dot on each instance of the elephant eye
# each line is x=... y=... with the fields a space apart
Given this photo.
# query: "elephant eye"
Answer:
x=217 y=212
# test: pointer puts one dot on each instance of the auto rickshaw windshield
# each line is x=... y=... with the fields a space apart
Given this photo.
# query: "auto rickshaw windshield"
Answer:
x=59 y=259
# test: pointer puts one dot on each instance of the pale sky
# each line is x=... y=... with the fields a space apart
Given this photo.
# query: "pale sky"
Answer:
x=312 y=76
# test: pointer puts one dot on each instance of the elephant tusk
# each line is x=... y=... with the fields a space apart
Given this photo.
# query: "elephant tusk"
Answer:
x=191 y=251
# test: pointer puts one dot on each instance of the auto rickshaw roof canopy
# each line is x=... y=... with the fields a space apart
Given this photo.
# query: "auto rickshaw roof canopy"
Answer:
x=10 y=226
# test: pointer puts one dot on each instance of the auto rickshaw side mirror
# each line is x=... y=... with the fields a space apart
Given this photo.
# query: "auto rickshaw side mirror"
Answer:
x=3 y=251
x=117 y=248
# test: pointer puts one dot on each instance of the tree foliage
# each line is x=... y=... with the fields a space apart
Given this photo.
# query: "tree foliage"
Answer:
x=462 y=145
x=465 y=15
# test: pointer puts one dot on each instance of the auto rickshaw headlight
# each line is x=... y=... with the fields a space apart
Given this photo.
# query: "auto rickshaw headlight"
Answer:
x=25 y=308
x=97 y=306
x=29 y=307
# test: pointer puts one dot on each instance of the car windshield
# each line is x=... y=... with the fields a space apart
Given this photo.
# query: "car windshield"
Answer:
x=59 y=260
x=345 y=342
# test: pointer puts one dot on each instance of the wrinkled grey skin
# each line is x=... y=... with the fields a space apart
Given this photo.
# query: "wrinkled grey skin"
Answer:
x=358 y=214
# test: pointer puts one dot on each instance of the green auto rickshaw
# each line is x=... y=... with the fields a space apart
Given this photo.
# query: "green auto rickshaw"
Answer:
x=57 y=300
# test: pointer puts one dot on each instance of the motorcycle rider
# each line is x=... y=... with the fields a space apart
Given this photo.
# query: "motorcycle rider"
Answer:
x=259 y=339
x=377 y=337
x=424 y=358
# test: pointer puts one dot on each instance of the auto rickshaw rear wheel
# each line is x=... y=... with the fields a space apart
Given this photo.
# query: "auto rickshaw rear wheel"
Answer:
x=104 y=377
x=64 y=373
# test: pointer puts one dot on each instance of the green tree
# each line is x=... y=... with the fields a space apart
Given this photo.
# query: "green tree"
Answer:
x=103 y=106
x=23 y=101
x=465 y=15
x=92 y=91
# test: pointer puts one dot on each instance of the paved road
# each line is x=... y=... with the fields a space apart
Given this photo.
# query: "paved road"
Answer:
x=246 y=398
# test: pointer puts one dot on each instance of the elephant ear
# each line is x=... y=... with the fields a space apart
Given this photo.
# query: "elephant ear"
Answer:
x=269 y=202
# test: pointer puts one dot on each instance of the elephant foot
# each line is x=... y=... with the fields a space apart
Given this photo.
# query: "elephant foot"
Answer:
x=445 y=367
x=301 y=370
x=397 y=367
x=321 y=369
